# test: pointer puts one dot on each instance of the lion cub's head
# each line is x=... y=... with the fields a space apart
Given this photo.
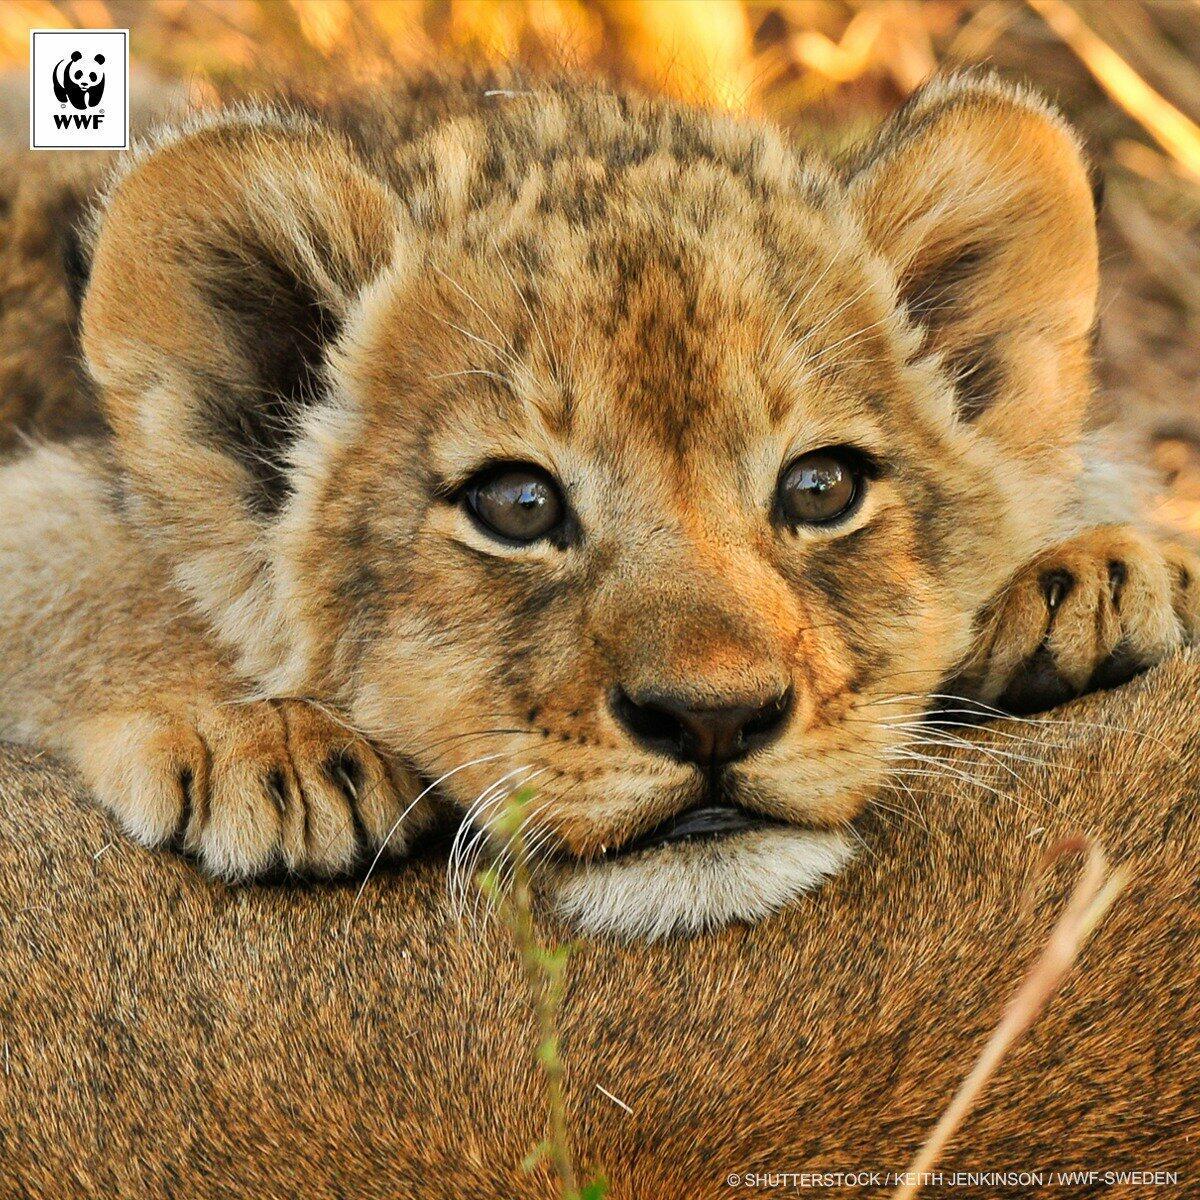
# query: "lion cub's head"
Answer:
x=592 y=444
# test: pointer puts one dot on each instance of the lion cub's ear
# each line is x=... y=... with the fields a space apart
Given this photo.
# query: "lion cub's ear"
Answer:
x=978 y=196
x=225 y=264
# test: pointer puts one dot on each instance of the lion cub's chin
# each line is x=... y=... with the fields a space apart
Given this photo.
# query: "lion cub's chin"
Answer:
x=694 y=886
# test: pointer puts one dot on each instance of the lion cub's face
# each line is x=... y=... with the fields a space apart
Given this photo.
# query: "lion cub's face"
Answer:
x=640 y=466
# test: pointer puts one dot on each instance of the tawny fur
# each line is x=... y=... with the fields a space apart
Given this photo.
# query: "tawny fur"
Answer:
x=162 y=1035
x=309 y=323
x=44 y=386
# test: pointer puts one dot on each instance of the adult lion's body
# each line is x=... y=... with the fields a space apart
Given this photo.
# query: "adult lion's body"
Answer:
x=164 y=1035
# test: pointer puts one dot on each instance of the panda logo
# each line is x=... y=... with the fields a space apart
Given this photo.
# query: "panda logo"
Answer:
x=78 y=82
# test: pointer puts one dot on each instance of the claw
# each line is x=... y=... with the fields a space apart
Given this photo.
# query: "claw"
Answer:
x=1056 y=587
x=1117 y=574
x=277 y=789
x=187 y=789
x=346 y=772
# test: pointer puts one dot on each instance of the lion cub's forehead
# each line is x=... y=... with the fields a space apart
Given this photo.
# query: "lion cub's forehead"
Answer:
x=697 y=371
x=613 y=273
x=573 y=151
x=648 y=336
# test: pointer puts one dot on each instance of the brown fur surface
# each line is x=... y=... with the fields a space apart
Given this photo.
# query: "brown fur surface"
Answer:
x=43 y=385
x=163 y=1035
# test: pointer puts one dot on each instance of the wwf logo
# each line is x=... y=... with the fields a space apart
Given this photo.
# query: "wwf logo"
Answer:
x=79 y=82
x=78 y=89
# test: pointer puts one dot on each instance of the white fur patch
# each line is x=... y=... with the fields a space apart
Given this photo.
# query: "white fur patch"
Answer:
x=696 y=886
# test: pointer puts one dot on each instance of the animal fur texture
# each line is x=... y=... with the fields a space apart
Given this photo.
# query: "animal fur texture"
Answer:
x=165 y=1035
x=266 y=620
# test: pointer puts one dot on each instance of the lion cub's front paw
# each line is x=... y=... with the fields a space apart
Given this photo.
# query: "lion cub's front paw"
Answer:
x=249 y=787
x=1088 y=614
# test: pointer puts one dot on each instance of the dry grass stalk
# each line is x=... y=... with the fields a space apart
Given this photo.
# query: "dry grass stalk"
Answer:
x=545 y=978
x=1175 y=132
x=1093 y=895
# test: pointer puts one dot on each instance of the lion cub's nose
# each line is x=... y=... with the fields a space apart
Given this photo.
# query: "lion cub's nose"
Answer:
x=709 y=736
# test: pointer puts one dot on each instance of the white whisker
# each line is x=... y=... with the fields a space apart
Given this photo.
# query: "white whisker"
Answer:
x=400 y=819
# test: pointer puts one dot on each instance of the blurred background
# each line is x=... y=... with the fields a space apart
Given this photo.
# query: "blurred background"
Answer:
x=1127 y=72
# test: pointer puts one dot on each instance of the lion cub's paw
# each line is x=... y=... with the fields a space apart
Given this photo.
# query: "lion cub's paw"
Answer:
x=249 y=787
x=1086 y=615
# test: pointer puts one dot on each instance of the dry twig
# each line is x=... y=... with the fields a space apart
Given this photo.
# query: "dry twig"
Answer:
x=1091 y=899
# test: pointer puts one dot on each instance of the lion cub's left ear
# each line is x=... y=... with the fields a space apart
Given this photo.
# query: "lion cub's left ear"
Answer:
x=227 y=262
x=978 y=196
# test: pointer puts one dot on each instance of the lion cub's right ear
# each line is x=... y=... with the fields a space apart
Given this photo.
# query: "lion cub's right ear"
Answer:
x=978 y=196
x=225 y=264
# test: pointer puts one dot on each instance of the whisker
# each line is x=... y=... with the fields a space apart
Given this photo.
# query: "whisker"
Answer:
x=506 y=865
x=491 y=795
x=400 y=819
x=981 y=708
x=462 y=852
x=472 y=837
x=963 y=777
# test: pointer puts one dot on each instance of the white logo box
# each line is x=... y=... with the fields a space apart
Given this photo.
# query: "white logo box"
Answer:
x=78 y=89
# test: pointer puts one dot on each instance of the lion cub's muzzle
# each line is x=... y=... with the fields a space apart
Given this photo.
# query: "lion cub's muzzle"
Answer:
x=718 y=857
x=710 y=736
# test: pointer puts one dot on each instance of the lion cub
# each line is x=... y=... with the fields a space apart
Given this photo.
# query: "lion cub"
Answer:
x=470 y=439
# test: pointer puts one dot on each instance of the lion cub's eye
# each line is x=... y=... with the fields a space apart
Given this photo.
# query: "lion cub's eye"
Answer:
x=516 y=502
x=821 y=487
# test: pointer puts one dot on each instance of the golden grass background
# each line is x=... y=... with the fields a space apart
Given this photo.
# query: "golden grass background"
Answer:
x=1127 y=72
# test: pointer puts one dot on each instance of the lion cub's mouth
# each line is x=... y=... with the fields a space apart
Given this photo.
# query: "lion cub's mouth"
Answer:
x=703 y=822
